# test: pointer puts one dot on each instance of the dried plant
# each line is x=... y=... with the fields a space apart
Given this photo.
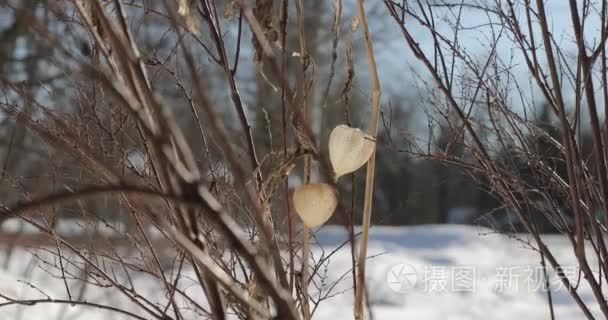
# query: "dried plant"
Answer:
x=129 y=122
x=178 y=219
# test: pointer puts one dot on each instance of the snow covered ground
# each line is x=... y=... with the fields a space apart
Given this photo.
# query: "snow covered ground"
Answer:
x=455 y=272
x=423 y=272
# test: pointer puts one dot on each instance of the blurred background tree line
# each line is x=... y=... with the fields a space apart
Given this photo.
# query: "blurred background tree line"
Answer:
x=412 y=185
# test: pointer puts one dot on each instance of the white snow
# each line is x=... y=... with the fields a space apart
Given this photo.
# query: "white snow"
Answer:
x=63 y=227
x=507 y=282
x=500 y=287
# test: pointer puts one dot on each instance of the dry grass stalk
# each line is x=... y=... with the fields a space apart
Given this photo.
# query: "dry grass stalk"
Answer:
x=369 y=176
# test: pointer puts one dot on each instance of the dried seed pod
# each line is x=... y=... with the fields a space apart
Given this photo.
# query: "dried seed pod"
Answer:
x=315 y=203
x=349 y=149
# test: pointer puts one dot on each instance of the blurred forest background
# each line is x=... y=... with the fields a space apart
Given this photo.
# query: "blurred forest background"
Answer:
x=412 y=186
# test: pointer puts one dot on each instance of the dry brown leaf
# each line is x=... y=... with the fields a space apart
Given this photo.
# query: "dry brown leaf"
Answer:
x=187 y=9
x=354 y=24
x=229 y=10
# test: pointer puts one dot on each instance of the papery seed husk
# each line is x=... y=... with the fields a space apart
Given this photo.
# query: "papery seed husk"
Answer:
x=315 y=203
x=349 y=149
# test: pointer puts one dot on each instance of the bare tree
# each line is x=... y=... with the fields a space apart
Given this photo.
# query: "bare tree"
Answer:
x=498 y=103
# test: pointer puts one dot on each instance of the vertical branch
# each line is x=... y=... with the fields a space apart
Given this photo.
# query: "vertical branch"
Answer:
x=284 y=17
x=263 y=217
x=307 y=159
x=210 y=13
x=369 y=176
x=337 y=24
x=566 y=134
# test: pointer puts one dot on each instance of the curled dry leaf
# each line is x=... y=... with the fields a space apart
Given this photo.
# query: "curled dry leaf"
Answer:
x=315 y=203
x=229 y=10
x=354 y=24
x=187 y=9
x=349 y=149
